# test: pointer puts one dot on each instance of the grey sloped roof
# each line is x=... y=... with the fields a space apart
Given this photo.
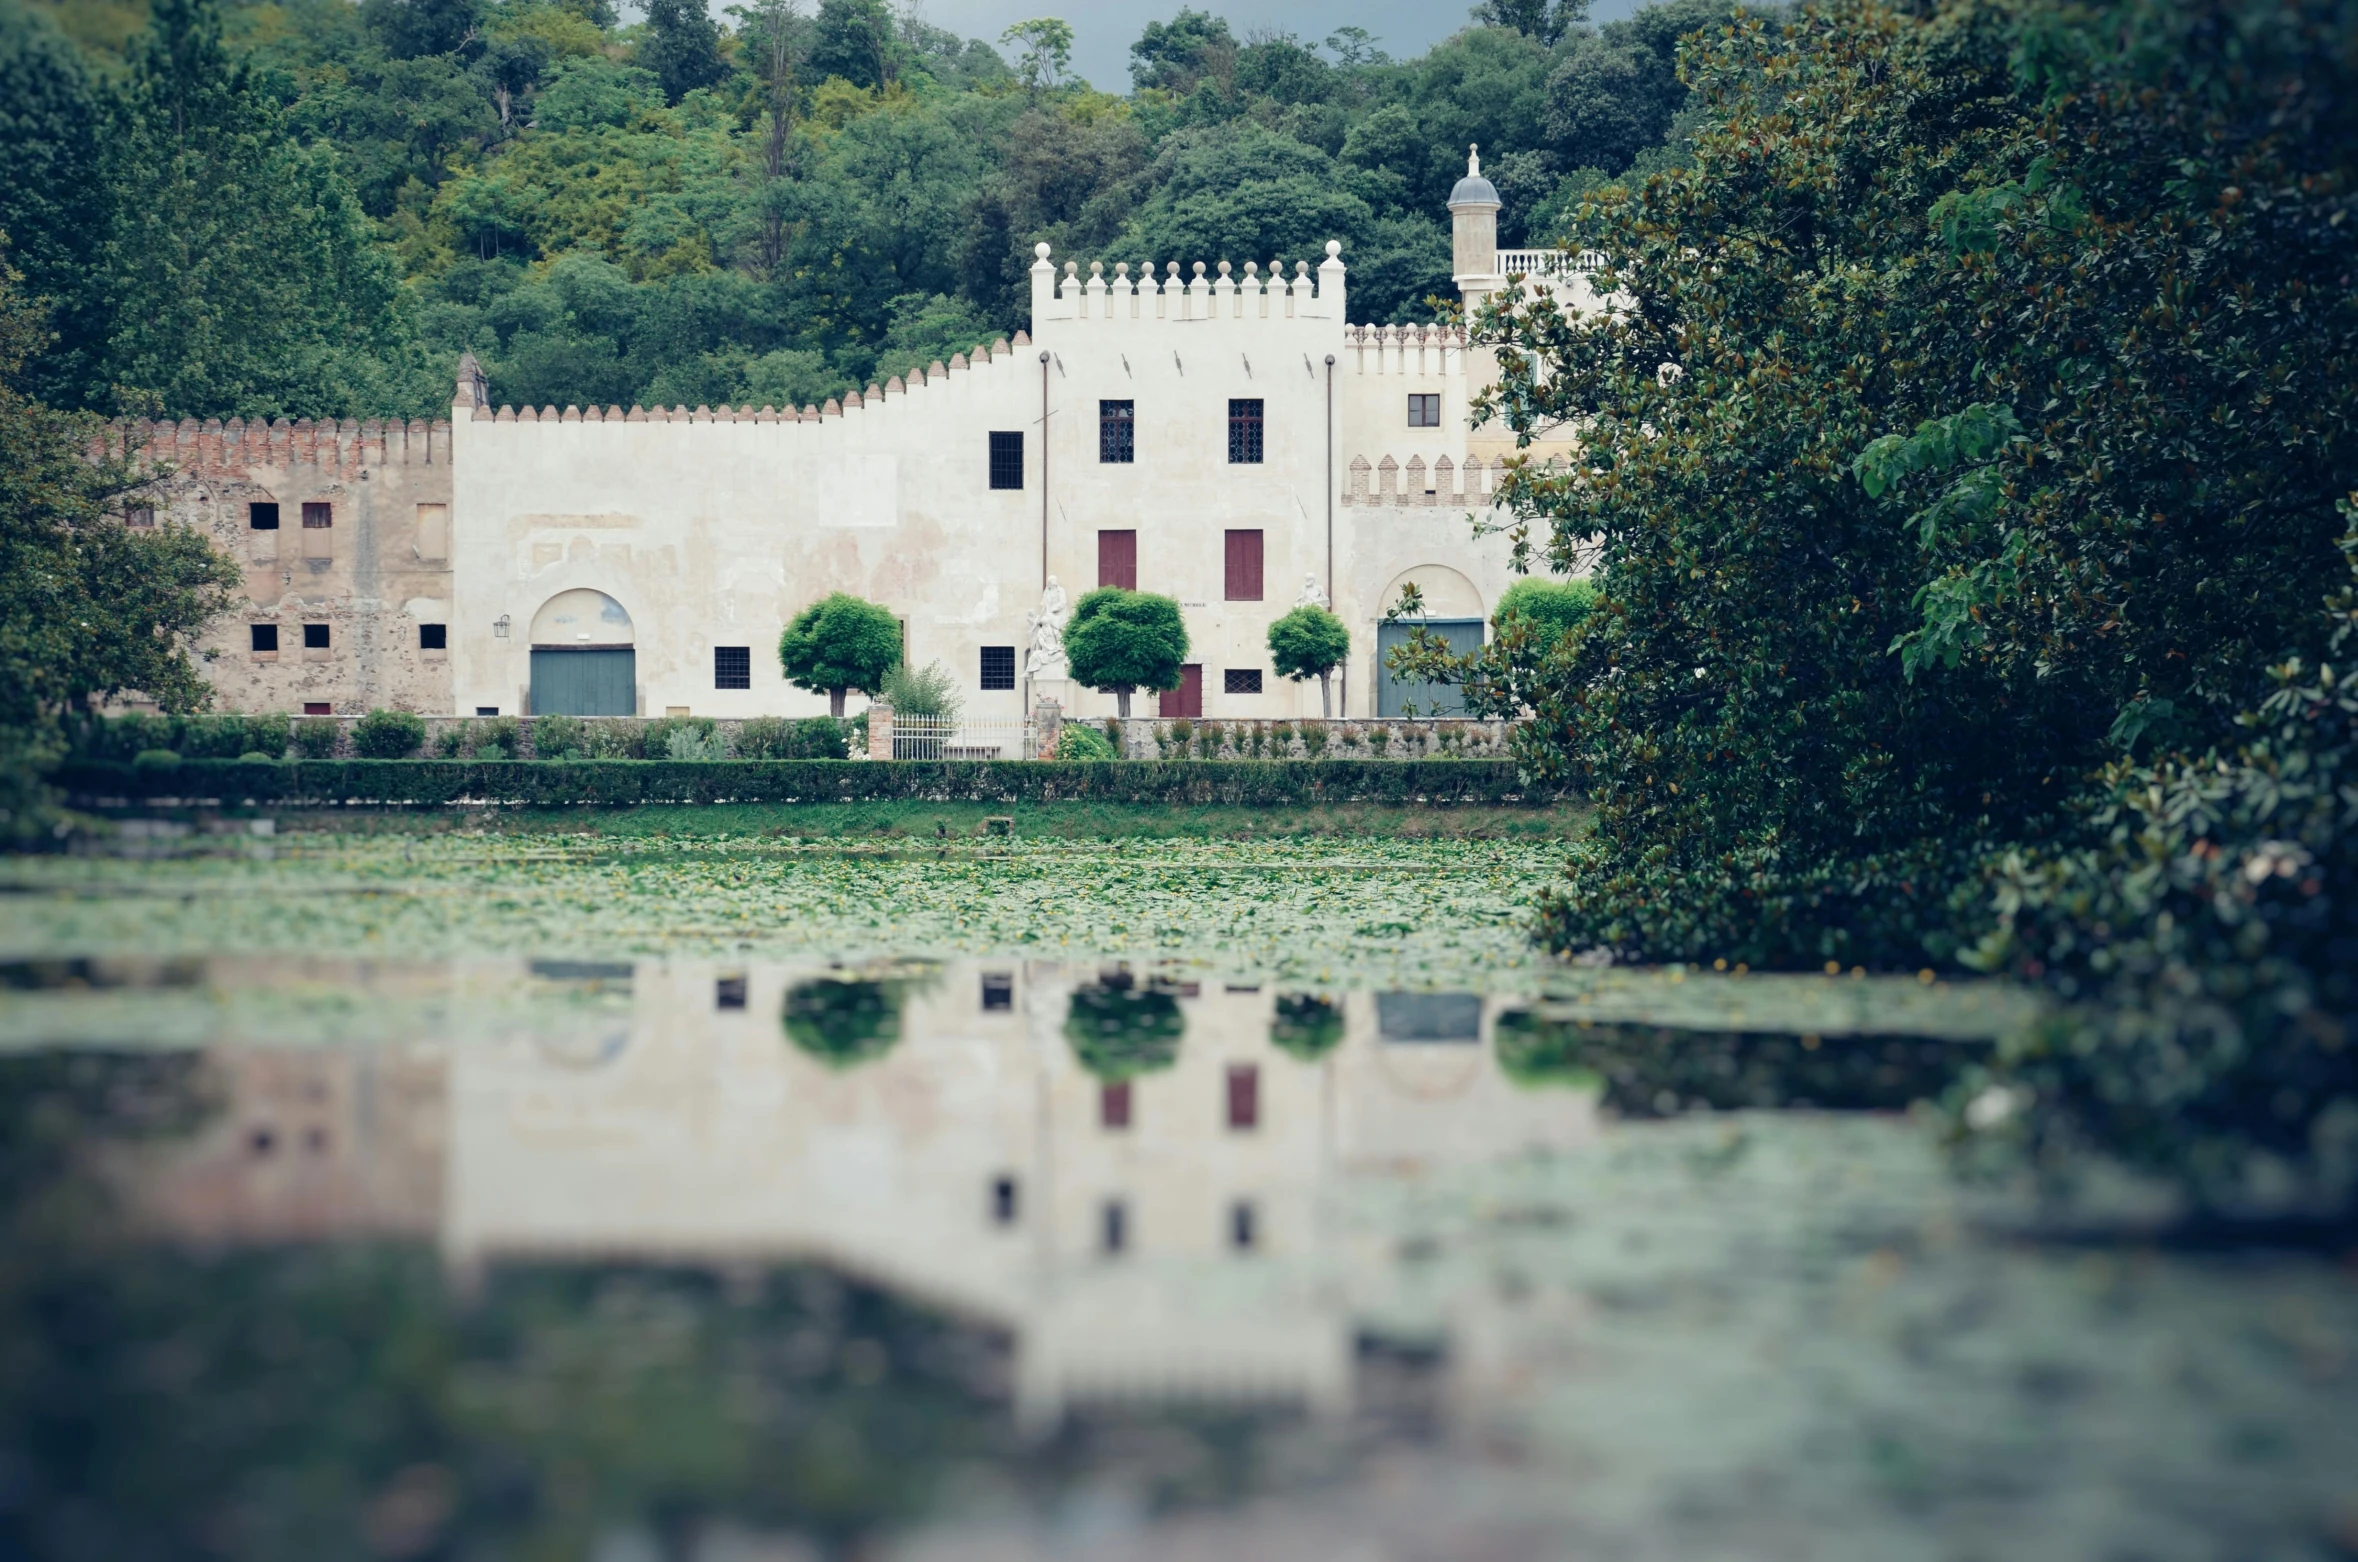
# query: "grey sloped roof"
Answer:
x=1473 y=189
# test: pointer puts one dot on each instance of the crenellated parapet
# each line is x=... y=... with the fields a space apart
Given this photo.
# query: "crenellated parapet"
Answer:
x=1387 y=481
x=473 y=402
x=213 y=446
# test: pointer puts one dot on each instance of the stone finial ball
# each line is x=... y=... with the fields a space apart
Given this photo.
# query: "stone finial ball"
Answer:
x=1040 y=250
x=1334 y=247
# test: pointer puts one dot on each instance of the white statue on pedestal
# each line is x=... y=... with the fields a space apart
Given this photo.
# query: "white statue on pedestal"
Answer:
x=1044 y=627
x=1311 y=596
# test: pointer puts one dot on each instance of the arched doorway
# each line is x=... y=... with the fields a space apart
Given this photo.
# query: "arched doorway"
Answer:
x=583 y=657
x=1453 y=610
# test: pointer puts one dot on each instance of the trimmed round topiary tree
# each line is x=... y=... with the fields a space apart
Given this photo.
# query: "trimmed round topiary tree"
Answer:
x=838 y=644
x=1310 y=642
x=388 y=734
x=1120 y=640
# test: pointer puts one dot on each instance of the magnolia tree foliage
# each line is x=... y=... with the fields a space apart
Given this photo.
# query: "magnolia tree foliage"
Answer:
x=840 y=643
x=1310 y=642
x=1121 y=640
x=1958 y=598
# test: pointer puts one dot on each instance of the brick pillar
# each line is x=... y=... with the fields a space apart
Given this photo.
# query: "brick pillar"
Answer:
x=880 y=730
x=1048 y=728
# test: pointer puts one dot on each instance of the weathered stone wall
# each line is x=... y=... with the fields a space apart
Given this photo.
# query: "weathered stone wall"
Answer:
x=374 y=576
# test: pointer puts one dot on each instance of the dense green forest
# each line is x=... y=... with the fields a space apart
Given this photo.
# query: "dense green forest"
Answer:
x=305 y=207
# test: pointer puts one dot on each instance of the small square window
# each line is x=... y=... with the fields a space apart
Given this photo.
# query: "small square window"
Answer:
x=998 y=667
x=1241 y=680
x=262 y=515
x=998 y=992
x=318 y=516
x=433 y=637
x=1007 y=459
x=265 y=636
x=1244 y=431
x=732 y=667
x=729 y=993
x=1117 y=432
x=140 y=517
x=318 y=708
x=315 y=637
x=1424 y=411
x=486 y=710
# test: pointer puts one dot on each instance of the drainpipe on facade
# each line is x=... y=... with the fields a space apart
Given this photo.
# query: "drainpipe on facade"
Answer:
x=1334 y=592
x=1043 y=470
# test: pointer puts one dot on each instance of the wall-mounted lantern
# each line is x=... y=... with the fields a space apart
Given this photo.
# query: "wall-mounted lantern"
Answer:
x=499 y=627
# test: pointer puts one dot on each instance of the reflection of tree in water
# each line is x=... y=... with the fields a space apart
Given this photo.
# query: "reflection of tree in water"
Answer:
x=1659 y=1070
x=1119 y=1030
x=845 y=1020
x=1306 y=1026
x=300 y=1401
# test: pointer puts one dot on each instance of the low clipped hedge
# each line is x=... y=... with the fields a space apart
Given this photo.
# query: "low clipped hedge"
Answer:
x=618 y=783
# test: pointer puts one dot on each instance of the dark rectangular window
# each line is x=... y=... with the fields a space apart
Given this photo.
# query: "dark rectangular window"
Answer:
x=1113 y=1104
x=486 y=710
x=998 y=992
x=433 y=637
x=262 y=516
x=1117 y=559
x=1243 y=1232
x=1007 y=460
x=1244 y=1095
x=998 y=667
x=318 y=708
x=728 y=992
x=1244 y=566
x=732 y=667
x=318 y=516
x=1116 y=1225
x=265 y=636
x=315 y=637
x=1424 y=411
x=140 y=517
x=1241 y=680
x=1244 y=431
x=1003 y=1201
x=1117 y=428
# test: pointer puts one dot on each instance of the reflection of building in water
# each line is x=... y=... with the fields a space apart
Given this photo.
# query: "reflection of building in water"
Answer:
x=1171 y=1235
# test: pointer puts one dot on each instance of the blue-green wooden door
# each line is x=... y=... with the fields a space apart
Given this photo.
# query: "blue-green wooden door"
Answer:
x=596 y=682
x=1392 y=697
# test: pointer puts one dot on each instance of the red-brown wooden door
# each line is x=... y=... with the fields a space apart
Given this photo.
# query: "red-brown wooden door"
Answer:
x=1188 y=698
x=1117 y=559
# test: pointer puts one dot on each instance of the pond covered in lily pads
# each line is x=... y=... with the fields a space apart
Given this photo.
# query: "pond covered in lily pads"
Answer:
x=563 y=1196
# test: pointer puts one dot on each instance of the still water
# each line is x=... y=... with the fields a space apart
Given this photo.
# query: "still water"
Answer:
x=726 y=1256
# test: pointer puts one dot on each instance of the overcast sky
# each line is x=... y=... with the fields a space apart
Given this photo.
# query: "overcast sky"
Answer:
x=1104 y=29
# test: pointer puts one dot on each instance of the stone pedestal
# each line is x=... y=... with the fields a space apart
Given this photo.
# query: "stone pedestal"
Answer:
x=880 y=730
x=1047 y=728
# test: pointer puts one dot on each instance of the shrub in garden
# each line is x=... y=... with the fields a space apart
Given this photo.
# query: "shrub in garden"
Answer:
x=1281 y=740
x=1080 y=743
x=1210 y=738
x=1549 y=609
x=388 y=734
x=148 y=760
x=929 y=692
x=255 y=756
x=316 y=737
x=559 y=737
x=811 y=737
x=1310 y=642
x=211 y=737
x=687 y=743
x=1119 y=641
x=1314 y=736
x=838 y=644
x=269 y=734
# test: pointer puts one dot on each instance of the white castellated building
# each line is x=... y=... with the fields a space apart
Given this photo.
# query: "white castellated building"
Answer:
x=1220 y=434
